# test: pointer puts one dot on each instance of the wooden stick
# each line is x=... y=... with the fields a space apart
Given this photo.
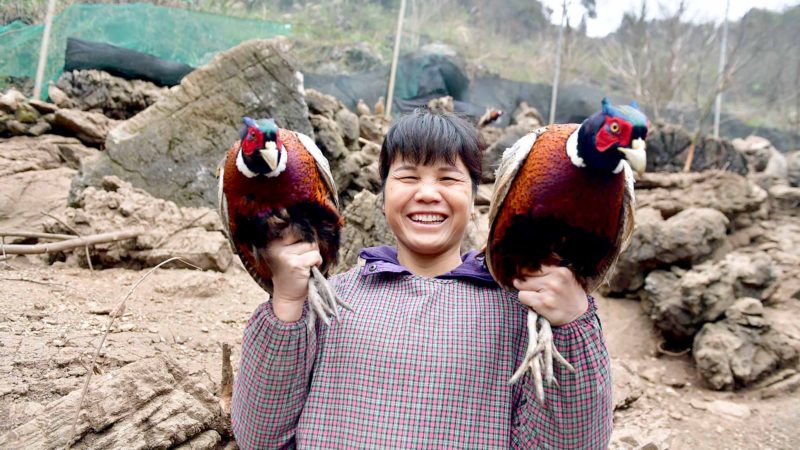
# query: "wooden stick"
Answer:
x=19 y=249
x=35 y=235
x=226 y=389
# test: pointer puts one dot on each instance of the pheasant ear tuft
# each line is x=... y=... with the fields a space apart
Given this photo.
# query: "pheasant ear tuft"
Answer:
x=606 y=106
x=249 y=122
x=635 y=105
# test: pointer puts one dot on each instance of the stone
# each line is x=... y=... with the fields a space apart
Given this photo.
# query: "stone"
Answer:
x=742 y=201
x=322 y=104
x=27 y=114
x=374 y=128
x=11 y=99
x=90 y=127
x=25 y=194
x=689 y=237
x=59 y=97
x=172 y=149
x=785 y=199
x=756 y=150
x=164 y=407
x=43 y=107
x=195 y=234
x=365 y=226
x=23 y=153
x=349 y=126
x=115 y=97
x=493 y=154
x=793 y=168
x=680 y=305
x=328 y=137
x=741 y=349
x=39 y=128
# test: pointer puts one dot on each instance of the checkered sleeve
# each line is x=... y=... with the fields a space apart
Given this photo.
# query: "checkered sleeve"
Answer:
x=272 y=383
x=578 y=413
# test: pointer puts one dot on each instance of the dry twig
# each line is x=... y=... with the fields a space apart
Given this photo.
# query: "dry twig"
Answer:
x=117 y=312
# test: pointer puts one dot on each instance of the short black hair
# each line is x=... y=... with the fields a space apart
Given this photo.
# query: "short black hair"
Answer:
x=425 y=137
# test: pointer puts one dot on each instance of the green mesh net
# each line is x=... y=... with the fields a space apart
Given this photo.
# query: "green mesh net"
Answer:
x=173 y=34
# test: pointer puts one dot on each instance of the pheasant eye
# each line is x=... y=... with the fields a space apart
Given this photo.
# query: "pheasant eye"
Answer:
x=251 y=137
x=614 y=127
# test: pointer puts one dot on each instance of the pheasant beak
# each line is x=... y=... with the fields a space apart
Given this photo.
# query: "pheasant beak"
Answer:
x=636 y=156
x=270 y=155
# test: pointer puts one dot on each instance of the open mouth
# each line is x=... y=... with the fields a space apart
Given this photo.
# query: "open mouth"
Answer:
x=427 y=218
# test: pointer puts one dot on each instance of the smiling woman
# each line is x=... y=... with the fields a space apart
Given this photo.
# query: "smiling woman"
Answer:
x=424 y=358
x=430 y=167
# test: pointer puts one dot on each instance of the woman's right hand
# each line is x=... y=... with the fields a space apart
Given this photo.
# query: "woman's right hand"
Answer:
x=290 y=261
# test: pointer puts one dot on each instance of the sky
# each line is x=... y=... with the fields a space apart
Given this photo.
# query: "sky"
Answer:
x=609 y=12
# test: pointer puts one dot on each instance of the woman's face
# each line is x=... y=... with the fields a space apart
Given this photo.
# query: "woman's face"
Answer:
x=428 y=206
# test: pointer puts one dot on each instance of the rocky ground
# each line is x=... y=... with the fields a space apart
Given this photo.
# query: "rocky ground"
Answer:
x=701 y=316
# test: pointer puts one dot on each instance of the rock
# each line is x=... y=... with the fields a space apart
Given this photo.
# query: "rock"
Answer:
x=59 y=97
x=115 y=97
x=164 y=406
x=741 y=349
x=172 y=148
x=43 y=107
x=374 y=128
x=24 y=195
x=668 y=147
x=681 y=304
x=39 y=128
x=17 y=128
x=170 y=230
x=527 y=116
x=206 y=250
x=11 y=99
x=322 y=104
x=328 y=137
x=494 y=153
x=22 y=154
x=365 y=226
x=27 y=114
x=349 y=126
x=90 y=127
x=756 y=150
x=484 y=195
x=632 y=437
x=689 y=237
x=785 y=199
x=741 y=200
x=441 y=105
x=793 y=168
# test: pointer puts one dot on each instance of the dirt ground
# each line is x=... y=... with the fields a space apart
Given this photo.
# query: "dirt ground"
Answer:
x=52 y=318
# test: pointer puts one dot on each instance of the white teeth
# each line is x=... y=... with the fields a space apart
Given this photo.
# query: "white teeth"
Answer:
x=428 y=218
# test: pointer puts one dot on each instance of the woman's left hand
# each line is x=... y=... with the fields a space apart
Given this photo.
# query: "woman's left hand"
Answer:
x=553 y=292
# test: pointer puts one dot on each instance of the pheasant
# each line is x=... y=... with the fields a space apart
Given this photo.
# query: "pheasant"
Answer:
x=275 y=181
x=563 y=195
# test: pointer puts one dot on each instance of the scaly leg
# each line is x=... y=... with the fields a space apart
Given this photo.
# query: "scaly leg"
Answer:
x=539 y=355
x=322 y=299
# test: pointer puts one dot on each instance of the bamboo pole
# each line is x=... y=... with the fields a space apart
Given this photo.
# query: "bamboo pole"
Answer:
x=48 y=22
x=556 y=76
x=395 y=56
x=68 y=244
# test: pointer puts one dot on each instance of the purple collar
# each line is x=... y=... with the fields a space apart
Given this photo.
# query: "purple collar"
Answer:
x=383 y=259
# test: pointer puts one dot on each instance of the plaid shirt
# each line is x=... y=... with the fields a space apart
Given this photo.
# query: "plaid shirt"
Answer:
x=421 y=363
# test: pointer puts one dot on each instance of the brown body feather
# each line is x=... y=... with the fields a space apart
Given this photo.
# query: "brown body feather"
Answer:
x=549 y=211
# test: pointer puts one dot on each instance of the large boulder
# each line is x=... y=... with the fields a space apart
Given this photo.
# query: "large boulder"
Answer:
x=194 y=234
x=94 y=90
x=22 y=154
x=681 y=301
x=689 y=237
x=742 y=201
x=172 y=149
x=365 y=226
x=741 y=349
